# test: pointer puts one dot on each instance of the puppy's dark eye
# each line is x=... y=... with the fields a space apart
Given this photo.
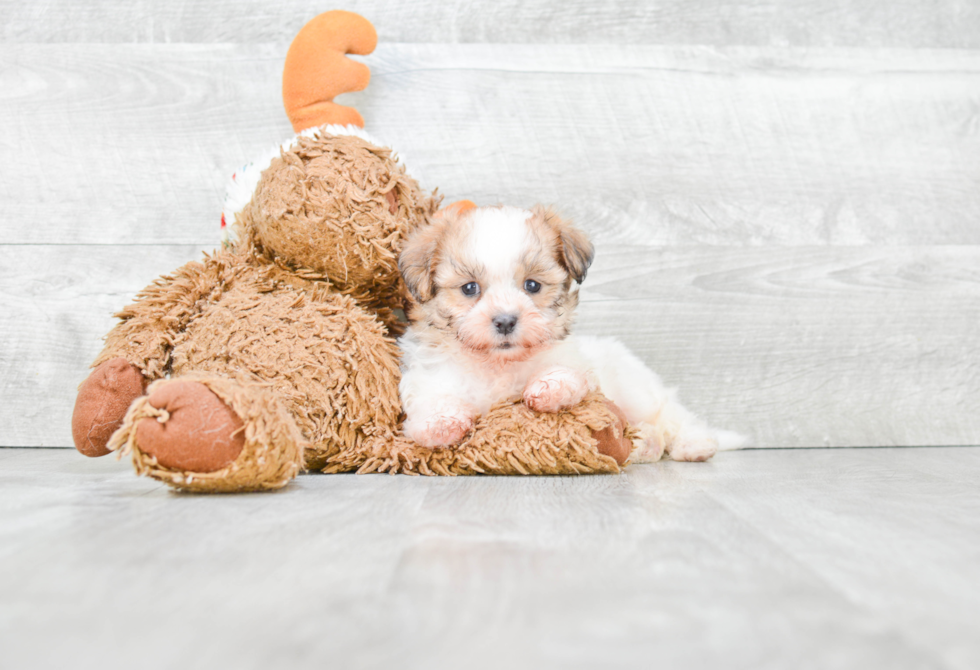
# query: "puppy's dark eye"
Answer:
x=532 y=286
x=471 y=289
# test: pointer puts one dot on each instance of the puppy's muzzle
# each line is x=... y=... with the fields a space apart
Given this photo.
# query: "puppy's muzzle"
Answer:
x=505 y=323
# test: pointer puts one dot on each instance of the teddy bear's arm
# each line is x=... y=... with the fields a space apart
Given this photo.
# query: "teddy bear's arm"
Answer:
x=145 y=334
x=138 y=349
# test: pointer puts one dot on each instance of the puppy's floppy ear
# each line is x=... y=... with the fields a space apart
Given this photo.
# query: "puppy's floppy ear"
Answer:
x=417 y=259
x=574 y=247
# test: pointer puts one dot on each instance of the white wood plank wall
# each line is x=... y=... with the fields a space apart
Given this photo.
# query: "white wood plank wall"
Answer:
x=785 y=196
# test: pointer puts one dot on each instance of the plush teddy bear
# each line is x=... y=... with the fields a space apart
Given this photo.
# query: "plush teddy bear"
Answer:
x=276 y=353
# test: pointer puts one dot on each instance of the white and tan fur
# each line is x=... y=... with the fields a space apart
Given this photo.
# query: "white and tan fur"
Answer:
x=458 y=362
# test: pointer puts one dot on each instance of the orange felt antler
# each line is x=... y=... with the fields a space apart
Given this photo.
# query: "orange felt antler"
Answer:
x=317 y=69
x=456 y=208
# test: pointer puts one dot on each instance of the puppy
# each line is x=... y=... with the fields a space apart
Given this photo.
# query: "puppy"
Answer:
x=494 y=303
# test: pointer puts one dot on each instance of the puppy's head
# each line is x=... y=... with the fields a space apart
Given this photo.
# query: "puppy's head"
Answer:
x=496 y=279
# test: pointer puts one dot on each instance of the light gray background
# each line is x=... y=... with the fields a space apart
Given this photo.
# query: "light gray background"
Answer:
x=785 y=197
x=785 y=201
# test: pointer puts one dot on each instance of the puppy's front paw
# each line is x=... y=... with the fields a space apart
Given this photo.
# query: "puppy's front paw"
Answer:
x=443 y=428
x=555 y=389
x=692 y=446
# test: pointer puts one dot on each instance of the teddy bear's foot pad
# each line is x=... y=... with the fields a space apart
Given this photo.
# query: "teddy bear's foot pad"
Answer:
x=103 y=399
x=612 y=440
x=195 y=430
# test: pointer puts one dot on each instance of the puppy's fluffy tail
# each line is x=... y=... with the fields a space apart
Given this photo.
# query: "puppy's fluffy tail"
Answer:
x=729 y=440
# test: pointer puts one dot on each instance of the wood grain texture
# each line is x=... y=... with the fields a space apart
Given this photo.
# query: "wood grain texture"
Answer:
x=825 y=346
x=941 y=23
x=860 y=544
x=103 y=144
x=804 y=559
x=678 y=146
x=804 y=346
x=786 y=220
x=58 y=303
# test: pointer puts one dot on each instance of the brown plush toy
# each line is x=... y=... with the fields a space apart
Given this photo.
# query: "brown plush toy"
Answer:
x=276 y=353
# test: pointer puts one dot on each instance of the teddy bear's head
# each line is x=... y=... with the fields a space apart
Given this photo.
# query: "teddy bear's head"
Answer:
x=336 y=206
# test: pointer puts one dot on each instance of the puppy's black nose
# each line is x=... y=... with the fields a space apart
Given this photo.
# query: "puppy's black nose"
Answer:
x=505 y=323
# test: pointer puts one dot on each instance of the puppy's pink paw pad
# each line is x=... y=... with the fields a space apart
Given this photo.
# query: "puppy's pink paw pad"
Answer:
x=443 y=430
x=555 y=390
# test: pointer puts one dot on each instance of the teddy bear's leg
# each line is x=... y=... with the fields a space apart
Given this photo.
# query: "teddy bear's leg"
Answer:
x=211 y=434
x=101 y=404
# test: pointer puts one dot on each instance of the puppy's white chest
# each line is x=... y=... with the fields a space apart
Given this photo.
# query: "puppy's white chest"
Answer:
x=483 y=387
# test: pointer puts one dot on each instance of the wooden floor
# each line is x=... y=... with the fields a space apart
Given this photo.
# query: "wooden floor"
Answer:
x=795 y=558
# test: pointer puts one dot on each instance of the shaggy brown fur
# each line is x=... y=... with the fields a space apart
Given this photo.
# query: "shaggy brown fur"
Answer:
x=296 y=314
x=326 y=358
x=292 y=330
x=338 y=210
x=512 y=439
